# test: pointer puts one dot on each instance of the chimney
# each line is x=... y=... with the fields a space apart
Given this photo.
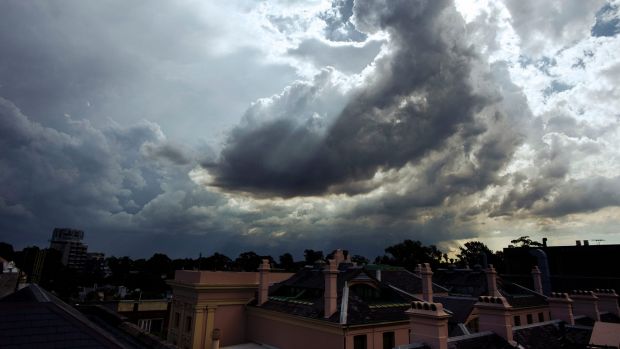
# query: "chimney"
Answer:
x=378 y=274
x=586 y=243
x=427 y=282
x=263 y=282
x=561 y=307
x=339 y=257
x=585 y=303
x=492 y=281
x=544 y=242
x=495 y=315
x=417 y=270
x=428 y=324
x=331 y=288
x=607 y=301
x=538 y=287
x=578 y=242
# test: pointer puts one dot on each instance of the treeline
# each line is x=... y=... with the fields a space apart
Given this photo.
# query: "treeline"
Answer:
x=149 y=275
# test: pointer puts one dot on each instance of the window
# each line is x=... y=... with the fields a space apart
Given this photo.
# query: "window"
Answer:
x=388 y=340
x=541 y=317
x=359 y=342
x=177 y=320
x=517 y=319
x=529 y=319
x=188 y=324
x=365 y=292
x=145 y=325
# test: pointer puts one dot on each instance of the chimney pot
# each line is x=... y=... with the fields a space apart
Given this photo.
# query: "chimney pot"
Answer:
x=429 y=324
x=427 y=282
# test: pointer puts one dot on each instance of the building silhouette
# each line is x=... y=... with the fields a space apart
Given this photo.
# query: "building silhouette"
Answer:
x=69 y=243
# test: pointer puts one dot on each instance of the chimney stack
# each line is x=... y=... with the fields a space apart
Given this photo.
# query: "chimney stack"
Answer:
x=538 y=286
x=607 y=301
x=331 y=288
x=339 y=257
x=263 y=282
x=427 y=282
x=561 y=307
x=578 y=242
x=428 y=324
x=585 y=303
x=492 y=282
x=495 y=315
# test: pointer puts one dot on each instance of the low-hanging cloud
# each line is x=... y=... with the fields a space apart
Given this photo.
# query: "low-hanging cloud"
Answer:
x=418 y=96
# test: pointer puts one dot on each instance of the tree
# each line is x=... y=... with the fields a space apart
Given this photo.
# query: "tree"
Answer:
x=410 y=253
x=311 y=256
x=248 y=261
x=287 y=262
x=160 y=264
x=360 y=260
x=525 y=241
x=471 y=253
x=216 y=262
x=6 y=251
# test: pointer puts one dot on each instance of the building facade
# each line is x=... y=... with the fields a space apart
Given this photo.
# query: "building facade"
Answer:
x=69 y=243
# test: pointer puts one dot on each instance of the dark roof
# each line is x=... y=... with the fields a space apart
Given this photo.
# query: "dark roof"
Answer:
x=583 y=320
x=302 y=295
x=610 y=317
x=473 y=283
x=486 y=340
x=406 y=280
x=459 y=307
x=32 y=317
x=552 y=335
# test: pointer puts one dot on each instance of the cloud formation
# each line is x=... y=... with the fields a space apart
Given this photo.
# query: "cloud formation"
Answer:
x=278 y=126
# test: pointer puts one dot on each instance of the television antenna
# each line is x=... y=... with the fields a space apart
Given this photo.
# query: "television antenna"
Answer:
x=598 y=241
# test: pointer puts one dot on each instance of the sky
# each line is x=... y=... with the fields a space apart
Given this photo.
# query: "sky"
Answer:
x=192 y=126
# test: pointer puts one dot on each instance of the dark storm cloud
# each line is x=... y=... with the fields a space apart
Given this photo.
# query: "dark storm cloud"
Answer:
x=418 y=97
x=76 y=177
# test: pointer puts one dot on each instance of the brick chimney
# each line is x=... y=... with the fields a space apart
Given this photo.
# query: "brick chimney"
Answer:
x=339 y=257
x=429 y=324
x=585 y=303
x=495 y=315
x=607 y=301
x=427 y=282
x=561 y=307
x=263 y=282
x=538 y=286
x=492 y=282
x=331 y=288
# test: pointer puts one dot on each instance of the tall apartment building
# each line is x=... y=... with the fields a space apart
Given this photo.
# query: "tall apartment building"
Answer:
x=69 y=243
